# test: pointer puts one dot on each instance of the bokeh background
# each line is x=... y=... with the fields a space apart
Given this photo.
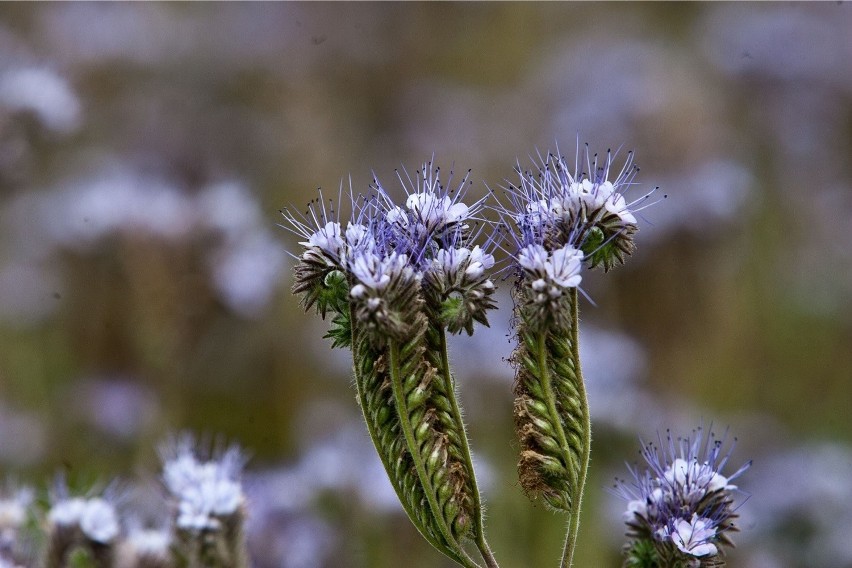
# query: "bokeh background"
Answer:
x=145 y=150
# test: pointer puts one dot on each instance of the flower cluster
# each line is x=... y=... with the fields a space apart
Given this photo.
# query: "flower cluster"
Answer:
x=89 y=523
x=681 y=509
x=397 y=278
x=375 y=265
x=556 y=205
x=457 y=281
x=14 y=505
x=151 y=547
x=207 y=493
x=565 y=219
x=208 y=507
x=95 y=517
x=201 y=523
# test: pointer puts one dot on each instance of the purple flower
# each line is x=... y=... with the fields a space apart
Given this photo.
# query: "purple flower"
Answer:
x=584 y=206
x=205 y=491
x=682 y=501
x=378 y=260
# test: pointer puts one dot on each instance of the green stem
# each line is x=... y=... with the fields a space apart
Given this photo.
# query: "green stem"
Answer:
x=579 y=485
x=449 y=388
x=413 y=448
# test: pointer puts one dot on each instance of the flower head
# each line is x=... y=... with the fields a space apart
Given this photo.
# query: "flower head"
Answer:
x=13 y=509
x=387 y=257
x=99 y=521
x=372 y=271
x=558 y=270
x=544 y=279
x=434 y=214
x=434 y=210
x=321 y=229
x=585 y=206
x=458 y=289
x=150 y=546
x=327 y=239
x=206 y=492
x=75 y=521
x=468 y=263
x=682 y=502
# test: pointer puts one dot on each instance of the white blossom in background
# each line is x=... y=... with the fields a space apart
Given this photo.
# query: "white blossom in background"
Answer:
x=150 y=543
x=204 y=491
x=14 y=514
x=245 y=259
x=99 y=521
x=96 y=517
x=44 y=93
x=13 y=508
x=67 y=512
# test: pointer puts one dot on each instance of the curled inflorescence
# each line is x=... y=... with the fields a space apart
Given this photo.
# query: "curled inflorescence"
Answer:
x=386 y=259
x=681 y=508
x=397 y=278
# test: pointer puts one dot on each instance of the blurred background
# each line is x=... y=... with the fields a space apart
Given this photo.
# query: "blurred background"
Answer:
x=145 y=150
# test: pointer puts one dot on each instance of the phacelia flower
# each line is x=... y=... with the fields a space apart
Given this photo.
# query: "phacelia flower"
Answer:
x=559 y=269
x=88 y=522
x=13 y=510
x=693 y=537
x=545 y=277
x=67 y=512
x=434 y=215
x=682 y=503
x=150 y=546
x=436 y=211
x=206 y=493
x=328 y=239
x=99 y=521
x=374 y=272
x=585 y=207
x=358 y=237
x=471 y=262
x=380 y=260
x=95 y=517
x=385 y=294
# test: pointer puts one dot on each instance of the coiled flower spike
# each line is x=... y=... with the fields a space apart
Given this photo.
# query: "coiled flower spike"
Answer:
x=397 y=278
x=563 y=221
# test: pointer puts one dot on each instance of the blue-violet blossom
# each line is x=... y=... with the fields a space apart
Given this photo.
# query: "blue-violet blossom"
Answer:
x=682 y=503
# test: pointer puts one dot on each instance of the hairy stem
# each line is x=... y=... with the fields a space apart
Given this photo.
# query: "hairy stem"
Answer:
x=580 y=483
